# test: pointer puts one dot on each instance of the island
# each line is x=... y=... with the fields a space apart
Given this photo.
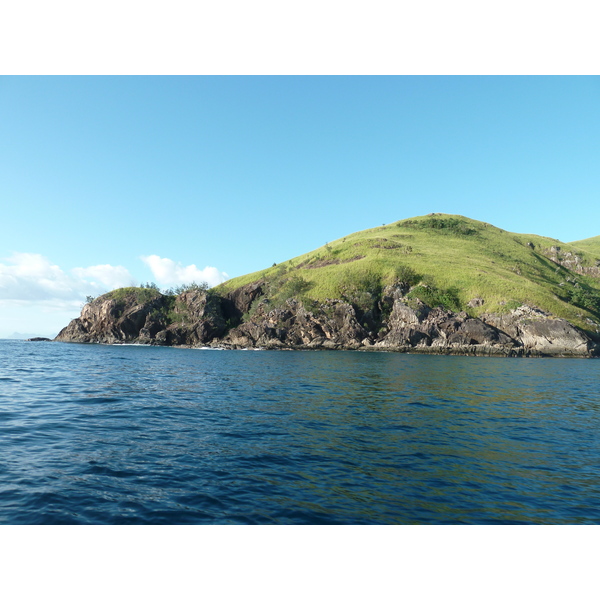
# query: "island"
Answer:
x=441 y=284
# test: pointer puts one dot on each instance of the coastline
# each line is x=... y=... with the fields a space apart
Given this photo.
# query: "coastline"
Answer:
x=478 y=351
x=249 y=319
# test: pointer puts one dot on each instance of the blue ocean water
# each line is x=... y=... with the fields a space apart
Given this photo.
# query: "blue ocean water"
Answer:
x=95 y=434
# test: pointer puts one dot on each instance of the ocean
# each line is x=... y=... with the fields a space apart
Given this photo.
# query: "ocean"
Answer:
x=96 y=434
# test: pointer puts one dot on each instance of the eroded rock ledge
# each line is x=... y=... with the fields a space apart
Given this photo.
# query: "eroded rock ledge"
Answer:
x=247 y=318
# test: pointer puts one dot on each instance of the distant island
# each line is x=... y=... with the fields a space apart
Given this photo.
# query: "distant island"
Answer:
x=441 y=284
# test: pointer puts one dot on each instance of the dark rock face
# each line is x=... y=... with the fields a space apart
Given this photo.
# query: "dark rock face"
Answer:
x=420 y=327
x=202 y=320
x=107 y=320
x=199 y=318
x=196 y=318
x=38 y=339
x=331 y=325
x=238 y=302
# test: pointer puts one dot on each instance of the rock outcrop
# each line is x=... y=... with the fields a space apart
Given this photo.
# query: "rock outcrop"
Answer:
x=332 y=324
x=248 y=318
x=109 y=320
x=540 y=333
x=571 y=261
x=193 y=318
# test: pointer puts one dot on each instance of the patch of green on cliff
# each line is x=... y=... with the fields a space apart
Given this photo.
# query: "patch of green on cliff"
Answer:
x=137 y=294
x=451 y=260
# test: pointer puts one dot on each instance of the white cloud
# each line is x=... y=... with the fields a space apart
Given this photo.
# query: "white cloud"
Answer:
x=109 y=276
x=39 y=297
x=33 y=278
x=167 y=272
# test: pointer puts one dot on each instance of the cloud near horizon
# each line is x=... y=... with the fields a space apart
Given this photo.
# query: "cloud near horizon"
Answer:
x=109 y=276
x=39 y=297
x=169 y=273
x=28 y=277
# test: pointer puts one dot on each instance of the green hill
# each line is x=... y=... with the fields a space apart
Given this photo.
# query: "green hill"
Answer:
x=446 y=260
x=591 y=245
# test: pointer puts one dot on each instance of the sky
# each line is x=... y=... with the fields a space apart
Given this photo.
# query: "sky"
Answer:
x=114 y=181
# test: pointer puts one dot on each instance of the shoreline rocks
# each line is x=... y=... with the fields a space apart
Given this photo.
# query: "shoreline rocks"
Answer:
x=247 y=318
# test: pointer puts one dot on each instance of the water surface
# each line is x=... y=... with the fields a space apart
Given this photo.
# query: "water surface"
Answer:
x=128 y=434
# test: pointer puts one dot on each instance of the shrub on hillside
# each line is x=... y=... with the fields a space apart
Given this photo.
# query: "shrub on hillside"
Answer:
x=586 y=298
x=362 y=290
x=138 y=294
x=432 y=296
x=187 y=287
x=450 y=225
x=406 y=276
x=294 y=287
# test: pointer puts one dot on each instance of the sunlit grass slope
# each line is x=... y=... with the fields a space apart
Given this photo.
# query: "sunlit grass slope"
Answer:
x=591 y=245
x=468 y=258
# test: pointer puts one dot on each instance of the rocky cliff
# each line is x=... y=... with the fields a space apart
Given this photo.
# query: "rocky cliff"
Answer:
x=248 y=318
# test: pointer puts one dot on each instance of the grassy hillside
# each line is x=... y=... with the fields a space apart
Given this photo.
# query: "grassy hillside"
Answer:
x=447 y=260
x=591 y=245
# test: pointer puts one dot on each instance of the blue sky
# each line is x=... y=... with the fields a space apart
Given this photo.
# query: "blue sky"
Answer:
x=106 y=181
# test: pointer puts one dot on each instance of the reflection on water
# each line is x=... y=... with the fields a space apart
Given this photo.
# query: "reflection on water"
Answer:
x=99 y=434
